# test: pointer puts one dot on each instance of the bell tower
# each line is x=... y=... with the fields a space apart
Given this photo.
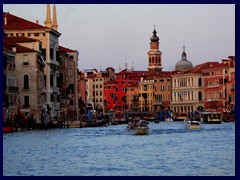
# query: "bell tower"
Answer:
x=154 y=55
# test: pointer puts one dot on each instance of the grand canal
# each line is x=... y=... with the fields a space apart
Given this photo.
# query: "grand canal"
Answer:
x=169 y=150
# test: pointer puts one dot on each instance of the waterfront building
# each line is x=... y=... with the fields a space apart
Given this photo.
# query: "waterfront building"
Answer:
x=109 y=95
x=230 y=99
x=162 y=99
x=147 y=93
x=29 y=67
x=95 y=86
x=188 y=90
x=82 y=86
x=216 y=77
x=10 y=86
x=115 y=91
x=67 y=80
x=132 y=97
x=14 y=26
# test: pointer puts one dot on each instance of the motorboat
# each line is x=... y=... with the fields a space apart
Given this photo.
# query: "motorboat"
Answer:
x=169 y=119
x=141 y=129
x=138 y=126
x=193 y=125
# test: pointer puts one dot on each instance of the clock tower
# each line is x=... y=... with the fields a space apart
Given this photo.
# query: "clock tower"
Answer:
x=154 y=56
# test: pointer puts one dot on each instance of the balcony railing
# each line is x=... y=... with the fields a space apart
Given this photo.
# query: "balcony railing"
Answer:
x=12 y=89
x=213 y=86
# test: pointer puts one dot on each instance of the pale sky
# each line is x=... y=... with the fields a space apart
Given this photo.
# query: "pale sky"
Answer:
x=112 y=35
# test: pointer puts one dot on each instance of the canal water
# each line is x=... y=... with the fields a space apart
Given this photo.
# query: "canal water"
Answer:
x=169 y=150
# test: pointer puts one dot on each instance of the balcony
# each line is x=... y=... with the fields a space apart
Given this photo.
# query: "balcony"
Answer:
x=12 y=89
x=213 y=86
x=157 y=103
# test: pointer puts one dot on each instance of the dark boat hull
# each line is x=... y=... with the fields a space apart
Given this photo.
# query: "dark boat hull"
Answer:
x=98 y=124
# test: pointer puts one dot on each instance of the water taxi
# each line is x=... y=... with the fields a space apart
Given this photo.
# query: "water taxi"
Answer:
x=210 y=117
x=138 y=126
x=141 y=129
x=193 y=125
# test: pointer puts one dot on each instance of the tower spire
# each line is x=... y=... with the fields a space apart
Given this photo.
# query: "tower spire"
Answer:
x=54 y=25
x=184 y=55
x=48 y=21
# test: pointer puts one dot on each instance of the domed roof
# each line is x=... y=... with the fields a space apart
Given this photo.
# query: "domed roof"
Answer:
x=183 y=64
x=154 y=38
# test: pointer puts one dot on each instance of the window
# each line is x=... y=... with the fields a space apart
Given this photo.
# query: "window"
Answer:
x=51 y=98
x=51 y=53
x=70 y=71
x=25 y=60
x=51 y=80
x=200 y=96
x=26 y=81
x=26 y=101
x=44 y=53
x=199 y=82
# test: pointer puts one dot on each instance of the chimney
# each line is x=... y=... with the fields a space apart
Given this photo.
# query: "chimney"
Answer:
x=37 y=21
x=5 y=19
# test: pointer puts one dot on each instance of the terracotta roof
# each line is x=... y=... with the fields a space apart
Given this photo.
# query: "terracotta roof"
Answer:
x=64 y=49
x=91 y=76
x=11 y=40
x=14 y=22
x=19 y=48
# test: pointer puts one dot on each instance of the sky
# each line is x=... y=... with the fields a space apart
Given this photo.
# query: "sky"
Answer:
x=118 y=35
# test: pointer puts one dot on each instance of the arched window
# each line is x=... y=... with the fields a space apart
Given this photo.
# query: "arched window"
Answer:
x=199 y=82
x=200 y=96
x=26 y=81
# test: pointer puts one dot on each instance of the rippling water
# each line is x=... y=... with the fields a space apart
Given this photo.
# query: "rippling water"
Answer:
x=169 y=150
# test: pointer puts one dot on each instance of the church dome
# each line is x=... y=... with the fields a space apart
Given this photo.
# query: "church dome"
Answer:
x=183 y=64
x=154 y=38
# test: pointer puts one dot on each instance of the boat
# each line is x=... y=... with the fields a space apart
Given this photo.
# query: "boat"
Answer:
x=149 y=116
x=157 y=121
x=138 y=126
x=141 y=129
x=97 y=123
x=74 y=124
x=169 y=119
x=180 y=116
x=8 y=129
x=120 y=117
x=193 y=125
x=210 y=117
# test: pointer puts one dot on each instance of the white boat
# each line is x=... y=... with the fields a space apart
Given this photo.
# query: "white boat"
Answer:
x=138 y=126
x=169 y=119
x=141 y=130
x=193 y=125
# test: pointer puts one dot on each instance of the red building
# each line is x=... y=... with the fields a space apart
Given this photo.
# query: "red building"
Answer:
x=216 y=77
x=115 y=91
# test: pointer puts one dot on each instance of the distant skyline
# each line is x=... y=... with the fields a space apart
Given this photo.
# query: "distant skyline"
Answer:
x=113 y=35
